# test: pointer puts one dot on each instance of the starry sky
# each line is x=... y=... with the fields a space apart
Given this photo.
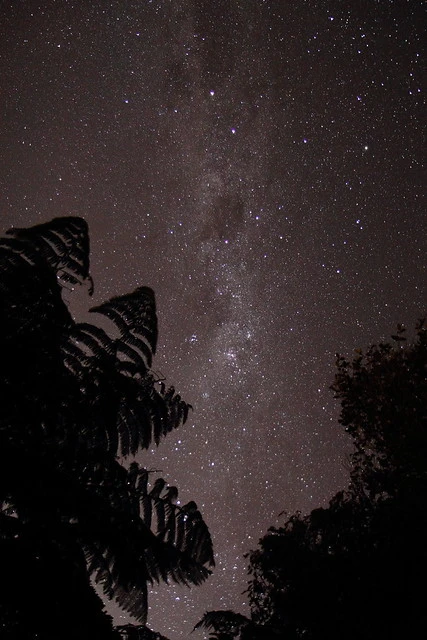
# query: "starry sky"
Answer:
x=259 y=164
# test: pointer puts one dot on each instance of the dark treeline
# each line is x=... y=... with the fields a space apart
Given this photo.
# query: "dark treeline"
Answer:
x=355 y=570
x=74 y=401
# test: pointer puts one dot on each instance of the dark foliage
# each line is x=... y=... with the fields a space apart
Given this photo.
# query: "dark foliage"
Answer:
x=74 y=398
x=138 y=632
x=355 y=570
x=223 y=624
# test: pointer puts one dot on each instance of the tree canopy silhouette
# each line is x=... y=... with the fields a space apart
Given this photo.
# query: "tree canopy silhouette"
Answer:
x=355 y=569
x=75 y=401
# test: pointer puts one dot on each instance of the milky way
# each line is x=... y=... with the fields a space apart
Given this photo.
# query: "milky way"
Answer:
x=258 y=163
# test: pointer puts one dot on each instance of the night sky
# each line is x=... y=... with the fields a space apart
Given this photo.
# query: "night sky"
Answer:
x=258 y=164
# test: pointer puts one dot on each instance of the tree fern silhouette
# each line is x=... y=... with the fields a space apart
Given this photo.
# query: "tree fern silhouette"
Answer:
x=75 y=398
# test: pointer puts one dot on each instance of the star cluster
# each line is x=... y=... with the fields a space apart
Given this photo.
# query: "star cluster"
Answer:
x=259 y=164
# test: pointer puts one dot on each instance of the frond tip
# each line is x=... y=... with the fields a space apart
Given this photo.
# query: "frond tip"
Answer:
x=135 y=317
x=63 y=243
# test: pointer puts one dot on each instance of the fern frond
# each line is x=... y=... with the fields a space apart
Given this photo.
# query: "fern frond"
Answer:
x=131 y=354
x=135 y=316
x=95 y=339
x=63 y=243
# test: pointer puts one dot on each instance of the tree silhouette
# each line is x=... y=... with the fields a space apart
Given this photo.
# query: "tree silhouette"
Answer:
x=353 y=570
x=75 y=398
